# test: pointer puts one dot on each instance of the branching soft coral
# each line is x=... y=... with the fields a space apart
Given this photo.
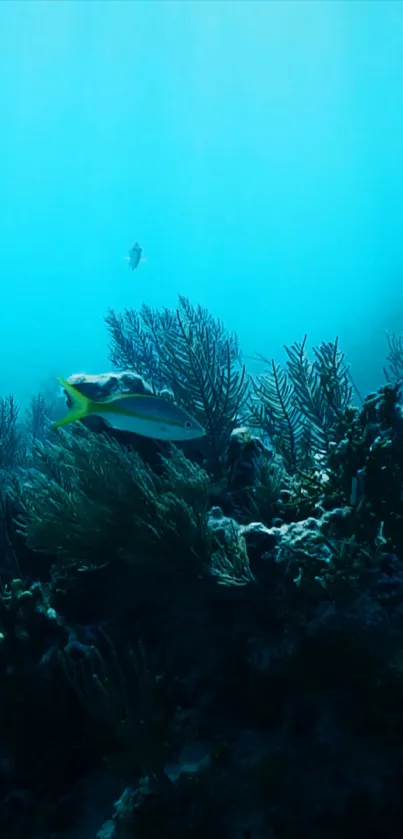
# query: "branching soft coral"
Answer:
x=11 y=439
x=38 y=417
x=393 y=368
x=300 y=407
x=133 y=345
x=87 y=501
x=274 y=412
x=123 y=699
x=190 y=353
x=322 y=389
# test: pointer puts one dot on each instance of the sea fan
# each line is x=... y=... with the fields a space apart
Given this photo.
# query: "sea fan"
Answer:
x=274 y=412
x=393 y=368
x=300 y=407
x=86 y=500
x=12 y=447
x=199 y=367
x=322 y=389
x=132 y=345
x=190 y=353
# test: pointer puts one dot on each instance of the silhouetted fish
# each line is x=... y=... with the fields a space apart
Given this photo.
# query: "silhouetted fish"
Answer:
x=134 y=257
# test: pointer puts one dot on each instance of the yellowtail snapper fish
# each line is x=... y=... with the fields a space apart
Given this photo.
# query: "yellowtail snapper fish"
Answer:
x=134 y=257
x=148 y=415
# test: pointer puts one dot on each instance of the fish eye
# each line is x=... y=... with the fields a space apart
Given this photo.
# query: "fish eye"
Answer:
x=188 y=424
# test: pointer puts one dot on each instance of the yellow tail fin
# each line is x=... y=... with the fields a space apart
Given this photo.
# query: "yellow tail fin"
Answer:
x=81 y=405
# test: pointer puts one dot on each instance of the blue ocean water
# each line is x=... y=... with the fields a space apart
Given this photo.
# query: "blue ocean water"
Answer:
x=253 y=148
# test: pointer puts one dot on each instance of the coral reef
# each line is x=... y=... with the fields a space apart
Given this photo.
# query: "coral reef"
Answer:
x=205 y=639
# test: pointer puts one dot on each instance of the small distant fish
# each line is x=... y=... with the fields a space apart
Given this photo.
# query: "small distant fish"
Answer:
x=148 y=415
x=135 y=257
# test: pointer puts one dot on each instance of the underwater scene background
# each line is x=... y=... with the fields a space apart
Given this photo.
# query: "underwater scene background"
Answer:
x=201 y=422
x=254 y=150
